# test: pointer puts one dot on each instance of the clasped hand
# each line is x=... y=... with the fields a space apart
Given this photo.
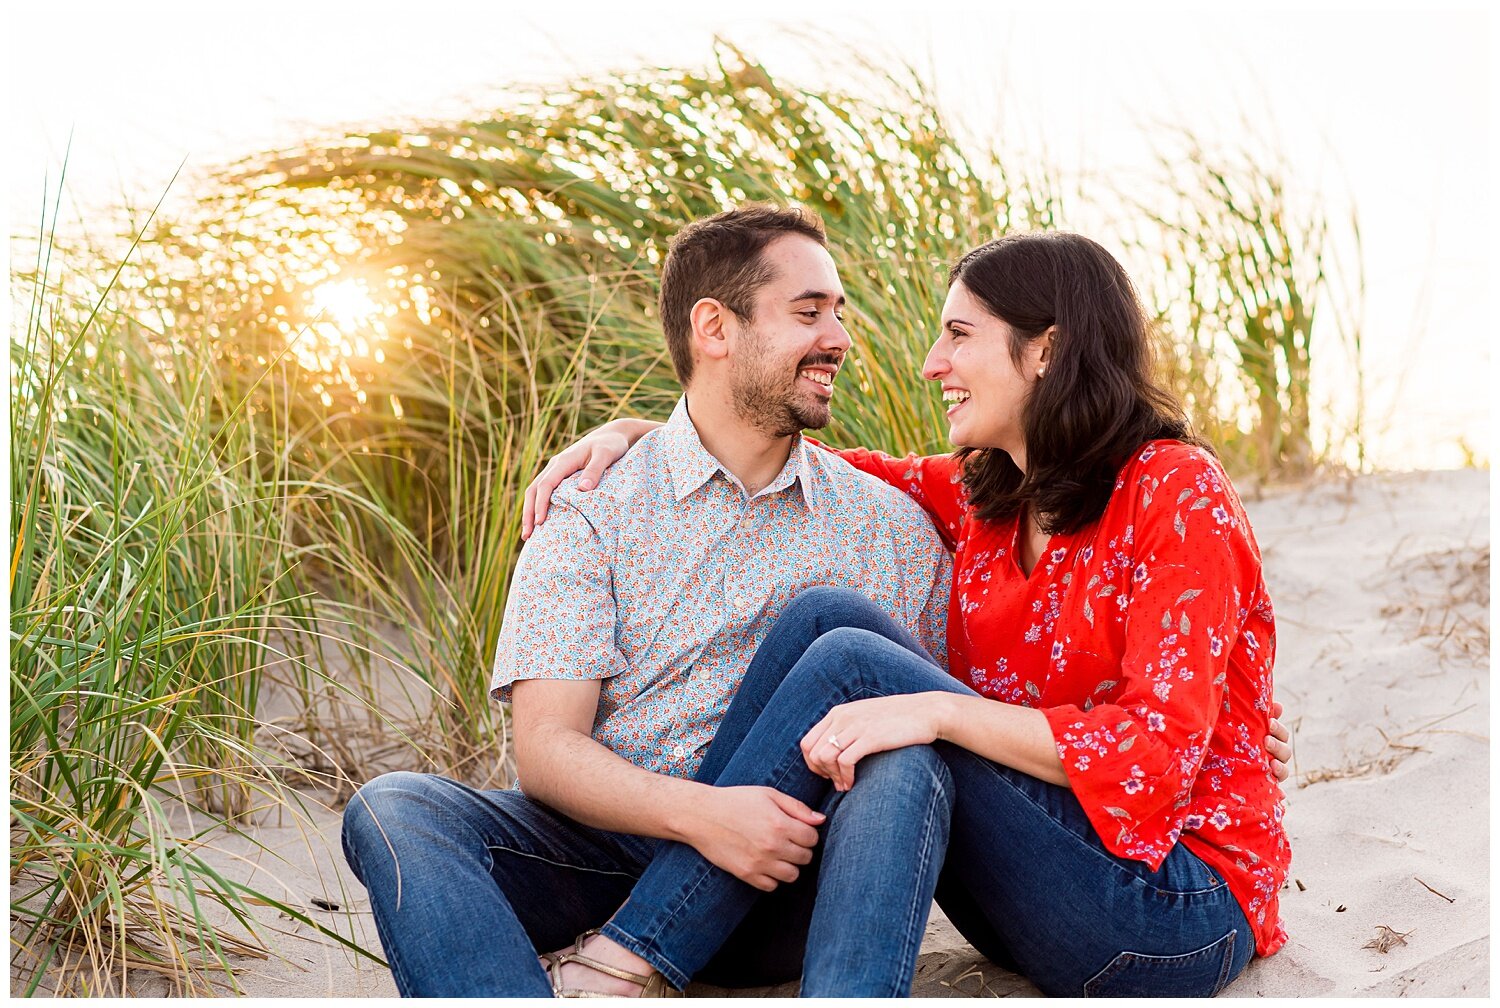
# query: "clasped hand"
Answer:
x=757 y=834
x=851 y=731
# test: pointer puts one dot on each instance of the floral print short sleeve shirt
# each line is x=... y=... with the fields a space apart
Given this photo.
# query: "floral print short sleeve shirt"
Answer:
x=663 y=581
x=1147 y=640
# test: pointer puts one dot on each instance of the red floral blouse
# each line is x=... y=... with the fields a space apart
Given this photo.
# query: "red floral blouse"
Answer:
x=1147 y=640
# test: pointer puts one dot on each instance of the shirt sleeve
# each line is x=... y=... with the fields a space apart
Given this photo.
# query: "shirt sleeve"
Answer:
x=933 y=481
x=1133 y=759
x=559 y=618
x=928 y=601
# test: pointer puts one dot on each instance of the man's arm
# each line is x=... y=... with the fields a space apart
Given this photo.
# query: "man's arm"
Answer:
x=557 y=647
x=561 y=765
x=757 y=834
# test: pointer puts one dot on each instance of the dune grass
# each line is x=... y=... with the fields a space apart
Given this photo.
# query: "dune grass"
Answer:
x=153 y=581
x=1244 y=260
x=276 y=454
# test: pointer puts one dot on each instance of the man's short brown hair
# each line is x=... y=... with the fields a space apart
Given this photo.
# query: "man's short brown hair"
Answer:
x=720 y=257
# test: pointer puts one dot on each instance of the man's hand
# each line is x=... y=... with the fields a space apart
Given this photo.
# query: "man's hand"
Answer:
x=757 y=834
x=1278 y=744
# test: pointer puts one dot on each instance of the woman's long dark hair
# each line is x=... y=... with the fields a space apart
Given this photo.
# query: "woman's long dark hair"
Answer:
x=1096 y=404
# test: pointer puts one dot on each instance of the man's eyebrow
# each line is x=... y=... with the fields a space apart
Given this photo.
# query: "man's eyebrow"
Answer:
x=817 y=295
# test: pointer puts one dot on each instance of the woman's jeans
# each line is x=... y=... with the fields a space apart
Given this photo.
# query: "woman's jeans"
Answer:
x=1026 y=878
x=466 y=886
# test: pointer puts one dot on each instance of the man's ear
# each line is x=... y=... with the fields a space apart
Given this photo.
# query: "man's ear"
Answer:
x=712 y=322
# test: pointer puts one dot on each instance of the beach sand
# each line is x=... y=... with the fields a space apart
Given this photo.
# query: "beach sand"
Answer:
x=1381 y=589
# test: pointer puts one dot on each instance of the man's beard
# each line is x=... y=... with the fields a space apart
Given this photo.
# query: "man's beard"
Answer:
x=768 y=398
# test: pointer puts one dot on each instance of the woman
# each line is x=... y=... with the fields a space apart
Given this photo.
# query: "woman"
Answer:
x=1116 y=827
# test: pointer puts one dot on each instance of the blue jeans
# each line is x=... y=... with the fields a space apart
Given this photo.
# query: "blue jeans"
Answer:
x=1026 y=878
x=466 y=886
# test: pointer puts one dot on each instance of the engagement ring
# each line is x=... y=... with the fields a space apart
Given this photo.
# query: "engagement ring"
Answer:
x=833 y=740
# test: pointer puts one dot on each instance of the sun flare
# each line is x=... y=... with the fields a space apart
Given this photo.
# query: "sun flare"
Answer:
x=345 y=302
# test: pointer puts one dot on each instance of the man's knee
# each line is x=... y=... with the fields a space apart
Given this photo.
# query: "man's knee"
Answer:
x=895 y=793
x=915 y=769
x=381 y=808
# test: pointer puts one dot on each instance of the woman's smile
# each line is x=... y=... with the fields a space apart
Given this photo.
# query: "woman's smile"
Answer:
x=957 y=398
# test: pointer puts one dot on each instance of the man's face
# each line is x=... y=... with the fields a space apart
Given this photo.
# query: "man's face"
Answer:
x=784 y=362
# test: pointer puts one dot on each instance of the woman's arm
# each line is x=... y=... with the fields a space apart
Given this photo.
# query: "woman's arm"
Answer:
x=1195 y=604
x=1015 y=736
x=595 y=452
x=932 y=481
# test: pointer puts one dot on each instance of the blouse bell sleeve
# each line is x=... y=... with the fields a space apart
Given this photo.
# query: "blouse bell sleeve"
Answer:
x=1132 y=759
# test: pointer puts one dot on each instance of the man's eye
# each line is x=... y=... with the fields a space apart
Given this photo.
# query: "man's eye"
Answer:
x=811 y=313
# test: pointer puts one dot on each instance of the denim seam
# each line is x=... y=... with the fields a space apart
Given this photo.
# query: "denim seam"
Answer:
x=1228 y=962
x=393 y=959
x=558 y=864
x=1104 y=856
x=1117 y=964
x=912 y=927
x=647 y=951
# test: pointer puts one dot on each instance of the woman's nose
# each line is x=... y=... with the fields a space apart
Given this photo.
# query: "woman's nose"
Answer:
x=936 y=364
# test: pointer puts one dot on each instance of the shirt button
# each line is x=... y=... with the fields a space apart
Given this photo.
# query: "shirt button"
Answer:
x=747 y=522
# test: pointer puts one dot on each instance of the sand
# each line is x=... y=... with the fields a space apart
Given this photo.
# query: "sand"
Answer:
x=1381 y=588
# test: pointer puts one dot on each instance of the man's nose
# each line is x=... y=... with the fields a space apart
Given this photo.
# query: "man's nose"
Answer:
x=837 y=337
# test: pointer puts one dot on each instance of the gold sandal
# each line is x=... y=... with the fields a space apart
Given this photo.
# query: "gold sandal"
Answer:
x=653 y=985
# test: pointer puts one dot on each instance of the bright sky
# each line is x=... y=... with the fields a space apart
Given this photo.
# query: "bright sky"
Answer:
x=1390 y=106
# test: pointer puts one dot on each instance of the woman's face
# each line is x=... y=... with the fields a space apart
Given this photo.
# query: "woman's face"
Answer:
x=985 y=389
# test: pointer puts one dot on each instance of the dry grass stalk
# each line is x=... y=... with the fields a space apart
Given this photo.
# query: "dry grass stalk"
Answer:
x=1386 y=939
x=1445 y=599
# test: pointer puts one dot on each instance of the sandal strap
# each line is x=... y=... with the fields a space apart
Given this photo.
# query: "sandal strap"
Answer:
x=639 y=979
x=653 y=985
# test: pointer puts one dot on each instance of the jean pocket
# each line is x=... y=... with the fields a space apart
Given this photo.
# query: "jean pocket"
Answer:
x=1197 y=974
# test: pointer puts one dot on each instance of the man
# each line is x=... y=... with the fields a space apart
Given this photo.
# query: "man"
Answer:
x=632 y=617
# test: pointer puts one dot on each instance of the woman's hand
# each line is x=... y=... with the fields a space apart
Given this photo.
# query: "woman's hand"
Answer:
x=852 y=731
x=1278 y=744
x=593 y=453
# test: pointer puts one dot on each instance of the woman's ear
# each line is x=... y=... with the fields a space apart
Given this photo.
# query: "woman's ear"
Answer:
x=1044 y=345
x=710 y=320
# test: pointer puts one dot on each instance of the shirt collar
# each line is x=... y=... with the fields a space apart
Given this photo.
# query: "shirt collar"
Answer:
x=691 y=465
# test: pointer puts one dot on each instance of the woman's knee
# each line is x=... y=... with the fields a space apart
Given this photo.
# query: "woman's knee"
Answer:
x=905 y=792
x=854 y=658
x=826 y=607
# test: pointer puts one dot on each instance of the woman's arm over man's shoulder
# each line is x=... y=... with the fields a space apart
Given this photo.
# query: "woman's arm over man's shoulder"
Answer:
x=934 y=482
